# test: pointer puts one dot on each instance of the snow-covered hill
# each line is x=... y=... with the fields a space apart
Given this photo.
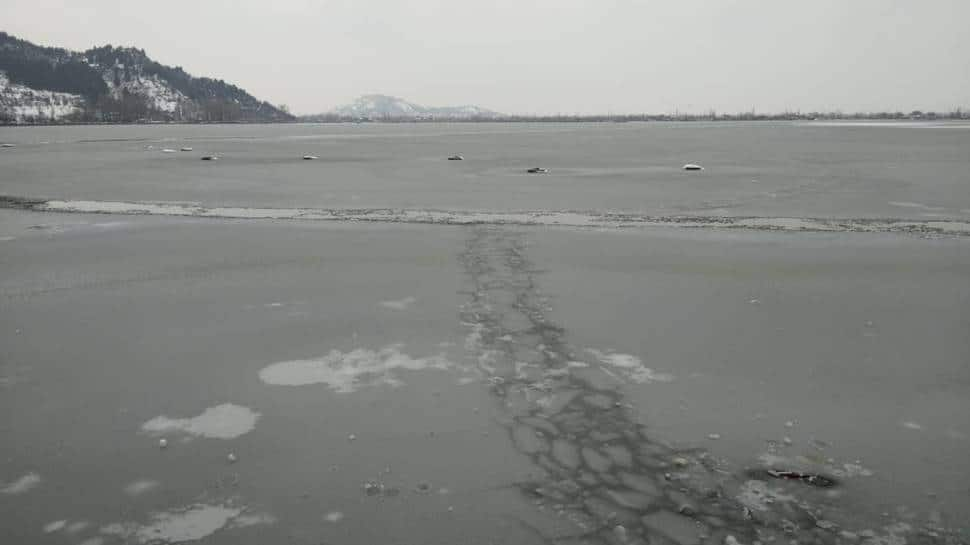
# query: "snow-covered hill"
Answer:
x=24 y=105
x=123 y=84
x=376 y=107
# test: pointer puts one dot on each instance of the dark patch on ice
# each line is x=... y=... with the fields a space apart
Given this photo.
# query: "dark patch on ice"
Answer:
x=598 y=466
x=812 y=479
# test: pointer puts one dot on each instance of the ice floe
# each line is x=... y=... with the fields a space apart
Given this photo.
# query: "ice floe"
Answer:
x=21 y=485
x=226 y=421
x=345 y=372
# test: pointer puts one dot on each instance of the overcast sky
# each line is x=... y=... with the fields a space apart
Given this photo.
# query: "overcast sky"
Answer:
x=543 y=56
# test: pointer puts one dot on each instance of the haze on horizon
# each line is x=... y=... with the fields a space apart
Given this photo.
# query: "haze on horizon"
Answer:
x=544 y=56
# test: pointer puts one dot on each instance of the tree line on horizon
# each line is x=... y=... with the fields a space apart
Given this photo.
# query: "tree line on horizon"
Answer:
x=956 y=114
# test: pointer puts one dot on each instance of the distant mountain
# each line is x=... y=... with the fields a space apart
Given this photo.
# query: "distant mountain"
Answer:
x=114 y=84
x=380 y=107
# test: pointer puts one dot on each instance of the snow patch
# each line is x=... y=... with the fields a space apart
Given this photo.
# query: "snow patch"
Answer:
x=758 y=496
x=630 y=366
x=190 y=523
x=55 y=526
x=137 y=488
x=21 y=103
x=21 y=485
x=400 y=304
x=226 y=421
x=346 y=372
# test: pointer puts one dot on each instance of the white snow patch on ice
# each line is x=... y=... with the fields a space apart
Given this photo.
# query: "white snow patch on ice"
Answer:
x=920 y=206
x=55 y=526
x=226 y=421
x=758 y=496
x=21 y=485
x=630 y=366
x=190 y=523
x=345 y=372
x=851 y=470
x=254 y=519
x=77 y=526
x=400 y=304
x=139 y=487
x=785 y=224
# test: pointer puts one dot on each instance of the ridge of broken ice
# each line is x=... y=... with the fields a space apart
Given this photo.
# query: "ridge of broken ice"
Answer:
x=564 y=218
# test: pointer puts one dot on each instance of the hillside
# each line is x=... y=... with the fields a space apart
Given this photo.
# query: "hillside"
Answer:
x=382 y=107
x=114 y=84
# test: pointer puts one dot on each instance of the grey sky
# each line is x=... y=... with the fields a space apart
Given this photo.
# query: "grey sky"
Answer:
x=544 y=56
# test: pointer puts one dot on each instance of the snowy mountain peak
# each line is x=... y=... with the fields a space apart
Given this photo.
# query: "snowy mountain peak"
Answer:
x=378 y=107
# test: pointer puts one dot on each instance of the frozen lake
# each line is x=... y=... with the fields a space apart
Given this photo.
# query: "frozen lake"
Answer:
x=238 y=380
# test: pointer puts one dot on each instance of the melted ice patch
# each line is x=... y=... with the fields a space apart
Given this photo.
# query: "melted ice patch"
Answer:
x=631 y=367
x=21 y=485
x=345 y=372
x=190 y=523
x=400 y=304
x=226 y=421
